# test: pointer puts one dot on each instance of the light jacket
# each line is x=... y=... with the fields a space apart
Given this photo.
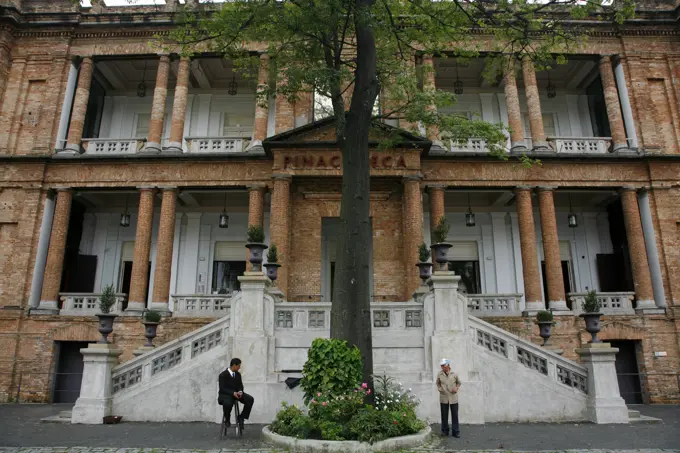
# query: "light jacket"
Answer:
x=445 y=385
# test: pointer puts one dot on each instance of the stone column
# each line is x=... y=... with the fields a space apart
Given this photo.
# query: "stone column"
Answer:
x=534 y=105
x=160 y=94
x=43 y=248
x=279 y=226
x=437 y=209
x=164 y=249
x=95 y=401
x=179 y=107
x=638 y=252
x=517 y=142
x=261 y=105
x=604 y=403
x=256 y=210
x=140 y=264
x=551 y=250
x=652 y=252
x=611 y=99
x=49 y=299
x=626 y=109
x=429 y=85
x=75 y=132
x=413 y=230
x=527 y=239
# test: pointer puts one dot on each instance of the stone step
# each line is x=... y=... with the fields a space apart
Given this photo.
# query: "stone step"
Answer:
x=634 y=416
x=61 y=417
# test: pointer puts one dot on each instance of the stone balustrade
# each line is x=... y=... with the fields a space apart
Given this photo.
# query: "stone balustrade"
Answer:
x=87 y=304
x=473 y=145
x=580 y=145
x=217 y=145
x=612 y=303
x=111 y=146
x=201 y=305
x=482 y=305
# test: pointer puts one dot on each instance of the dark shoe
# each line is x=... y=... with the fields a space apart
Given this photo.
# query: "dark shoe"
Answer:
x=456 y=435
x=227 y=424
x=444 y=434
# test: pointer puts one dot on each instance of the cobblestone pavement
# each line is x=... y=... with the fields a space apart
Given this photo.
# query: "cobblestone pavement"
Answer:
x=20 y=426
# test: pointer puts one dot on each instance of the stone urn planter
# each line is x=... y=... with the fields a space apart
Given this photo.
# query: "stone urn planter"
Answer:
x=425 y=271
x=441 y=254
x=256 y=255
x=544 y=331
x=150 y=330
x=272 y=270
x=105 y=326
x=592 y=325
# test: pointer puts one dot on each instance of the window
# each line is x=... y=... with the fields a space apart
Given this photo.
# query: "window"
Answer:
x=465 y=262
x=567 y=275
x=142 y=125
x=236 y=124
x=549 y=125
x=228 y=263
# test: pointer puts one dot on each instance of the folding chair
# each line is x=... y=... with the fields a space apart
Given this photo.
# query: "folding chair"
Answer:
x=224 y=428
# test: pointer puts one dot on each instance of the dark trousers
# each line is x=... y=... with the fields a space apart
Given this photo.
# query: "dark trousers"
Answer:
x=454 y=418
x=228 y=404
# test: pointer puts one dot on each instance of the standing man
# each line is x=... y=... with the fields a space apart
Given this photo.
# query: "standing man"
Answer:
x=448 y=385
x=231 y=391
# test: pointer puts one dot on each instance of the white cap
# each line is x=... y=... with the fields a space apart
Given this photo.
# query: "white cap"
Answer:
x=444 y=362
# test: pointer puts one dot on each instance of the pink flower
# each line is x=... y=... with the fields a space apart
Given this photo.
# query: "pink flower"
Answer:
x=318 y=394
x=324 y=403
x=355 y=390
x=395 y=422
x=364 y=385
x=313 y=400
x=368 y=392
x=404 y=414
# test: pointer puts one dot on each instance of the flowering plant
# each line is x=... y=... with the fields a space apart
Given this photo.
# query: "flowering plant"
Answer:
x=391 y=396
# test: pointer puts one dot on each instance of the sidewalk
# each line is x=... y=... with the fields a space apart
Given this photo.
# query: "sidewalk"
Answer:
x=20 y=426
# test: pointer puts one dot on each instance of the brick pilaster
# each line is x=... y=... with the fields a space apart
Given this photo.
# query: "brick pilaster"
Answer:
x=611 y=99
x=166 y=239
x=279 y=226
x=551 y=250
x=285 y=114
x=6 y=43
x=160 y=94
x=429 y=85
x=140 y=264
x=179 y=106
x=642 y=279
x=413 y=231
x=512 y=102
x=75 y=132
x=261 y=105
x=437 y=209
x=527 y=239
x=533 y=104
x=256 y=210
x=49 y=299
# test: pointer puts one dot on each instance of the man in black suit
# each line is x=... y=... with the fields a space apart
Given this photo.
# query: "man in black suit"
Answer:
x=231 y=390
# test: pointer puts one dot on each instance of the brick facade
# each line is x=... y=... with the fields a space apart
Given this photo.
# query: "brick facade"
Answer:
x=34 y=69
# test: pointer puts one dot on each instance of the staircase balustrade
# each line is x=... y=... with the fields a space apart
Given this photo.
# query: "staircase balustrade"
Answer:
x=201 y=305
x=612 y=303
x=481 y=305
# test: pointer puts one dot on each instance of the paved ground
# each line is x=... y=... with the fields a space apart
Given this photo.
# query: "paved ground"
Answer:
x=20 y=426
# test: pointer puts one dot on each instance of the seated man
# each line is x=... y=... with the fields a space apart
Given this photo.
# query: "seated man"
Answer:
x=231 y=390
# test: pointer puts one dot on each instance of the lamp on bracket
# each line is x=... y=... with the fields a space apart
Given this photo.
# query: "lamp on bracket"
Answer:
x=125 y=216
x=224 y=217
x=469 y=216
x=571 y=217
x=141 y=88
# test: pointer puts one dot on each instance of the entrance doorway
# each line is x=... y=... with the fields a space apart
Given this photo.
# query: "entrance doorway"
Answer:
x=68 y=372
x=627 y=372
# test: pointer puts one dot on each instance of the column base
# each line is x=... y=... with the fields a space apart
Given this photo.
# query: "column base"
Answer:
x=161 y=307
x=532 y=308
x=558 y=305
x=46 y=307
x=646 y=306
x=135 y=309
x=151 y=148
x=438 y=145
x=518 y=148
x=71 y=149
x=542 y=147
x=173 y=148
x=607 y=411
x=621 y=148
x=255 y=146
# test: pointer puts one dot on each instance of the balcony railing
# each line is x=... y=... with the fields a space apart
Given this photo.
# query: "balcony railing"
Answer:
x=473 y=145
x=481 y=305
x=201 y=305
x=580 y=145
x=217 y=145
x=112 y=146
x=612 y=303
x=87 y=304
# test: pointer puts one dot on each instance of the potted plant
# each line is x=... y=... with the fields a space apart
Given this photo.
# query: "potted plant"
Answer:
x=272 y=265
x=256 y=246
x=544 y=319
x=439 y=244
x=591 y=314
x=106 y=302
x=151 y=320
x=424 y=265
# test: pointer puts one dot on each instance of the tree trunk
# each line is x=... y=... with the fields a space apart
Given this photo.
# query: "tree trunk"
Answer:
x=351 y=309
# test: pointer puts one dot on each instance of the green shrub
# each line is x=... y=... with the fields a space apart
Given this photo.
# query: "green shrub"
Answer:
x=423 y=253
x=107 y=300
x=371 y=425
x=591 y=304
x=255 y=234
x=544 y=316
x=332 y=368
x=441 y=231
x=272 y=254
x=152 y=316
x=391 y=396
x=291 y=421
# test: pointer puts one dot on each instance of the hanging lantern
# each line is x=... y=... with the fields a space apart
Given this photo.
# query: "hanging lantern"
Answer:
x=141 y=88
x=125 y=217
x=551 y=89
x=224 y=218
x=457 y=85
x=232 y=86
x=571 y=217
x=469 y=216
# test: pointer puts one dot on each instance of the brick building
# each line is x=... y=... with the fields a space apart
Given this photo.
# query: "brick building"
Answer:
x=125 y=167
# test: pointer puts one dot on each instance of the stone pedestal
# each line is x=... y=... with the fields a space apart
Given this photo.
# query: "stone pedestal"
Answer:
x=604 y=404
x=95 y=399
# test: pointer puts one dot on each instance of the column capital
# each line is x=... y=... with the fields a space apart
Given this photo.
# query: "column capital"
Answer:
x=163 y=55
x=255 y=187
x=63 y=189
x=146 y=188
x=436 y=186
x=167 y=188
x=264 y=56
x=523 y=189
x=546 y=188
x=628 y=189
x=605 y=59
x=410 y=178
x=282 y=177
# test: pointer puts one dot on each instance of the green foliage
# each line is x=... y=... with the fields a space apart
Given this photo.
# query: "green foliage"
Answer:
x=291 y=421
x=371 y=425
x=391 y=396
x=423 y=252
x=107 y=300
x=441 y=231
x=544 y=316
x=152 y=316
x=332 y=368
x=591 y=304
x=255 y=234
x=273 y=254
